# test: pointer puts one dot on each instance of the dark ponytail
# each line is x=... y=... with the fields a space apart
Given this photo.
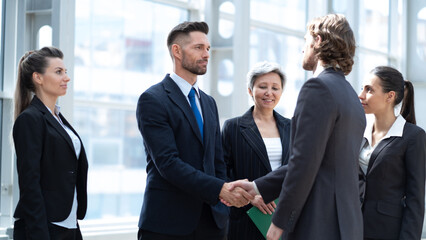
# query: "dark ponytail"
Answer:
x=392 y=80
x=407 y=109
x=32 y=61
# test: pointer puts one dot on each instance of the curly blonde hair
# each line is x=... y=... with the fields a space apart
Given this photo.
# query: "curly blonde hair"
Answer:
x=337 y=47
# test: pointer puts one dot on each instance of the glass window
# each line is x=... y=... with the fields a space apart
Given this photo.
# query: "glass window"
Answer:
x=289 y=14
x=1 y=122
x=44 y=36
x=374 y=24
x=1 y=47
x=1 y=69
x=421 y=34
x=226 y=27
x=340 y=6
x=120 y=50
x=286 y=51
x=367 y=62
x=225 y=84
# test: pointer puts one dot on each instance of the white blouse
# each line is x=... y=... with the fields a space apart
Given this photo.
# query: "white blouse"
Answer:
x=274 y=150
x=395 y=131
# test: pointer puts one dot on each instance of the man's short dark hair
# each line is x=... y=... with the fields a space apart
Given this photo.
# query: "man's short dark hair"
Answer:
x=184 y=29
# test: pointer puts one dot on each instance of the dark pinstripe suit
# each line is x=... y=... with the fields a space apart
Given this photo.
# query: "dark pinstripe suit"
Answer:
x=246 y=157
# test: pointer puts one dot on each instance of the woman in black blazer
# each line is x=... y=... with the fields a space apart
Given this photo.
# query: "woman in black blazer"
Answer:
x=392 y=159
x=256 y=143
x=51 y=161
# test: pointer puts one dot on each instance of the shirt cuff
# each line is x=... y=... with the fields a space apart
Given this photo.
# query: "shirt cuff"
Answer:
x=255 y=188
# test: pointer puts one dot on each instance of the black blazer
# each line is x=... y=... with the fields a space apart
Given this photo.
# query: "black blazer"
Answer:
x=48 y=170
x=244 y=150
x=319 y=196
x=393 y=192
x=184 y=172
x=246 y=157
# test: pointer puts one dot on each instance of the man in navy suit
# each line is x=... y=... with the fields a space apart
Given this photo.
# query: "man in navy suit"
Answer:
x=318 y=195
x=180 y=127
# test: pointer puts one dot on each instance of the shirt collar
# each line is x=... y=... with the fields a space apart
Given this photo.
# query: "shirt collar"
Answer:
x=321 y=68
x=184 y=86
x=57 y=109
x=397 y=128
x=395 y=131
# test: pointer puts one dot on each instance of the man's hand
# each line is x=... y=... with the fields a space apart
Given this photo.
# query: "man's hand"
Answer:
x=264 y=208
x=274 y=233
x=246 y=185
x=234 y=196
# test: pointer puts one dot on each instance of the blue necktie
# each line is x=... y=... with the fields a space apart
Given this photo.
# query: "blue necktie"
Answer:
x=194 y=107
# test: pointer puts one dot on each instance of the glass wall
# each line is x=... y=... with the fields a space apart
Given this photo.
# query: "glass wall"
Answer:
x=287 y=14
x=1 y=68
x=374 y=24
x=120 y=50
x=421 y=34
x=378 y=43
x=285 y=50
x=276 y=46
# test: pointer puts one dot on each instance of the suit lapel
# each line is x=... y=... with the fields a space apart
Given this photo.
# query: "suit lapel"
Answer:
x=52 y=121
x=252 y=135
x=373 y=159
x=177 y=97
x=208 y=117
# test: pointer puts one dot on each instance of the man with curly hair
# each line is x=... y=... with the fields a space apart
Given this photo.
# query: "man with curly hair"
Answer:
x=318 y=189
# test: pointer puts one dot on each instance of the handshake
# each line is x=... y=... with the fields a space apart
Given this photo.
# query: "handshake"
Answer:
x=242 y=192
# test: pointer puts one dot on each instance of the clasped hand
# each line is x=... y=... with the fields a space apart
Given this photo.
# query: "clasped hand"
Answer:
x=237 y=194
x=241 y=193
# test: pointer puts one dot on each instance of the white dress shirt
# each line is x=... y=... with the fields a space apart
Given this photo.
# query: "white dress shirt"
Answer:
x=396 y=130
x=185 y=87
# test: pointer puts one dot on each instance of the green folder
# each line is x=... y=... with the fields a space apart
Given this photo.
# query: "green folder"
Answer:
x=262 y=221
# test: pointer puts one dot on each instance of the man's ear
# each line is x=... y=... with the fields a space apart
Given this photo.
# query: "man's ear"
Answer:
x=176 y=51
x=318 y=39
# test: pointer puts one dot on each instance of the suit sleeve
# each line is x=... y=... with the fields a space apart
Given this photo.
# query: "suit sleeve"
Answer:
x=270 y=185
x=415 y=158
x=158 y=135
x=227 y=149
x=28 y=138
x=312 y=125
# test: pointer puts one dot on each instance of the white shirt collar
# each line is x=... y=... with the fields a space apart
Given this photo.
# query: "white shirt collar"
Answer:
x=321 y=68
x=395 y=131
x=184 y=86
x=57 y=109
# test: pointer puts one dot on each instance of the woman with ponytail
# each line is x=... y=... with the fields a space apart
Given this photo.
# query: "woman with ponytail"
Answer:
x=392 y=159
x=51 y=161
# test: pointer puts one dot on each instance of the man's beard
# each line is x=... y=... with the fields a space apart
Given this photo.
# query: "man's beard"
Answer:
x=310 y=63
x=193 y=68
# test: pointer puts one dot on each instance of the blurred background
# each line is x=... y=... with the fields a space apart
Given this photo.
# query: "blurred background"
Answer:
x=115 y=50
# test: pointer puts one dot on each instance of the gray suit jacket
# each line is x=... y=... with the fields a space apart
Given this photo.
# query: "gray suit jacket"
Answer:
x=319 y=196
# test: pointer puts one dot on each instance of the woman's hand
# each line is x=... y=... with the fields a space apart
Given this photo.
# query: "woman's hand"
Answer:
x=264 y=208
